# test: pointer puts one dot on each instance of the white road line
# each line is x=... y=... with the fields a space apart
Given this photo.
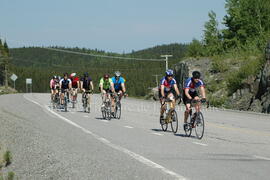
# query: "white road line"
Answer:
x=159 y=134
x=103 y=120
x=201 y=144
x=119 y=148
x=261 y=157
x=85 y=116
x=72 y=112
x=128 y=127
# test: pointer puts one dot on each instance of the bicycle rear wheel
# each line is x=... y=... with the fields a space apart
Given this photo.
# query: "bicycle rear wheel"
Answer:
x=118 y=110
x=199 y=125
x=174 y=123
x=163 y=124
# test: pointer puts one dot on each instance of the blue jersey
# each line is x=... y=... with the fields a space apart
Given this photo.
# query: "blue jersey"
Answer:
x=168 y=85
x=117 y=82
x=192 y=86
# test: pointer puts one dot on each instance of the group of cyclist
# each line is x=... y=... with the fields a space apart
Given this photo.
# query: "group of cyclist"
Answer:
x=168 y=89
x=116 y=85
x=72 y=84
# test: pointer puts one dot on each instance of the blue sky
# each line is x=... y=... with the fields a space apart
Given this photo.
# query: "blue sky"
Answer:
x=111 y=25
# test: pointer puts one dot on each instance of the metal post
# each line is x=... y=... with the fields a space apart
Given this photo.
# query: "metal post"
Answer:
x=6 y=77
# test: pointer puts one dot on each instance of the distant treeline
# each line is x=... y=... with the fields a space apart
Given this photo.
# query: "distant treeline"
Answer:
x=41 y=64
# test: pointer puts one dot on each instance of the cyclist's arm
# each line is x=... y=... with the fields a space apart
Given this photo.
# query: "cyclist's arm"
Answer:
x=187 y=94
x=69 y=85
x=176 y=89
x=81 y=86
x=112 y=87
x=92 y=85
x=123 y=87
x=162 y=90
x=202 y=89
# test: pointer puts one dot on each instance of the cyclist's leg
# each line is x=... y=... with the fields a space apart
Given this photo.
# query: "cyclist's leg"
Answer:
x=62 y=96
x=188 y=107
x=172 y=104
x=162 y=104
x=52 y=94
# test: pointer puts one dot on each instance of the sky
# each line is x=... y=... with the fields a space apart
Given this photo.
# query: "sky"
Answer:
x=110 y=25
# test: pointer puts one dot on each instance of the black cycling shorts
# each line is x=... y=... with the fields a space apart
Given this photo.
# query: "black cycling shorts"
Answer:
x=192 y=94
x=166 y=93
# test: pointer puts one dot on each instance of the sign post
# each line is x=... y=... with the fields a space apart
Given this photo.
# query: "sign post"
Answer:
x=29 y=85
x=13 y=77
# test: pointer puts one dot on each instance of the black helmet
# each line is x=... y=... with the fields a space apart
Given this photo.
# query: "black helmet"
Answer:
x=196 y=75
x=85 y=74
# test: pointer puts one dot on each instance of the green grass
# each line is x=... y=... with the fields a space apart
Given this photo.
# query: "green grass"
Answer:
x=7 y=158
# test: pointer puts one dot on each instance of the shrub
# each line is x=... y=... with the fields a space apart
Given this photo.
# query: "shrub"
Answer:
x=7 y=158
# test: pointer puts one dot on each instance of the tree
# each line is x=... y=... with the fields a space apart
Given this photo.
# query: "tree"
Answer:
x=247 y=21
x=212 y=35
x=195 y=49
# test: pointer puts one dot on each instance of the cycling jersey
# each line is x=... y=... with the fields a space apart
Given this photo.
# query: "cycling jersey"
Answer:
x=52 y=84
x=86 y=82
x=117 y=83
x=168 y=85
x=74 y=82
x=106 y=83
x=65 y=83
x=192 y=86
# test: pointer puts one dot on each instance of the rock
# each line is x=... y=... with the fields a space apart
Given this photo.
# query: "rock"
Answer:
x=266 y=102
x=256 y=106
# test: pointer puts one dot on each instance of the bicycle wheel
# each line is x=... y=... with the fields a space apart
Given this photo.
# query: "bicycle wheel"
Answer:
x=65 y=104
x=117 y=113
x=163 y=124
x=174 y=122
x=108 y=111
x=199 y=125
x=188 y=128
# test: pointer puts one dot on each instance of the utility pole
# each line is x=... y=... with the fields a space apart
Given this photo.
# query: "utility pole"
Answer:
x=166 y=60
x=156 y=75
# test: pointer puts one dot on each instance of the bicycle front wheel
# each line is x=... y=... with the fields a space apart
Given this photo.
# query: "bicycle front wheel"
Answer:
x=199 y=125
x=118 y=111
x=174 y=122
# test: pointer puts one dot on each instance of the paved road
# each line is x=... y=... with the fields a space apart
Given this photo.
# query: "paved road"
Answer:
x=50 y=144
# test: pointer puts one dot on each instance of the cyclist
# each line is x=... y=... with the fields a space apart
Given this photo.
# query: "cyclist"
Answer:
x=106 y=87
x=190 y=93
x=86 y=84
x=53 y=83
x=168 y=89
x=75 y=82
x=65 y=85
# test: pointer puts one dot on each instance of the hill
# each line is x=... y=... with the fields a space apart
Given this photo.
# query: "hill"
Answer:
x=41 y=64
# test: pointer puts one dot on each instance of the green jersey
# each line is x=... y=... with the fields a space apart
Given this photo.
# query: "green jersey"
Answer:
x=106 y=83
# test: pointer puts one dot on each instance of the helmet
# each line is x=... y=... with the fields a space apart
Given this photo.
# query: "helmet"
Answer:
x=72 y=75
x=117 y=73
x=169 y=72
x=196 y=75
x=106 y=76
x=85 y=74
x=54 y=77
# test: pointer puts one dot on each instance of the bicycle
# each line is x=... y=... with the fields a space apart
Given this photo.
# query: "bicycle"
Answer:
x=170 y=116
x=107 y=109
x=196 y=121
x=117 y=113
x=65 y=99
x=73 y=96
x=86 y=101
x=56 y=100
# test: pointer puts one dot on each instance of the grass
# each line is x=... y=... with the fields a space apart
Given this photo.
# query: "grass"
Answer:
x=5 y=160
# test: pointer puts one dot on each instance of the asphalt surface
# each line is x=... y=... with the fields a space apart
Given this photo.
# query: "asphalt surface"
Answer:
x=51 y=144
